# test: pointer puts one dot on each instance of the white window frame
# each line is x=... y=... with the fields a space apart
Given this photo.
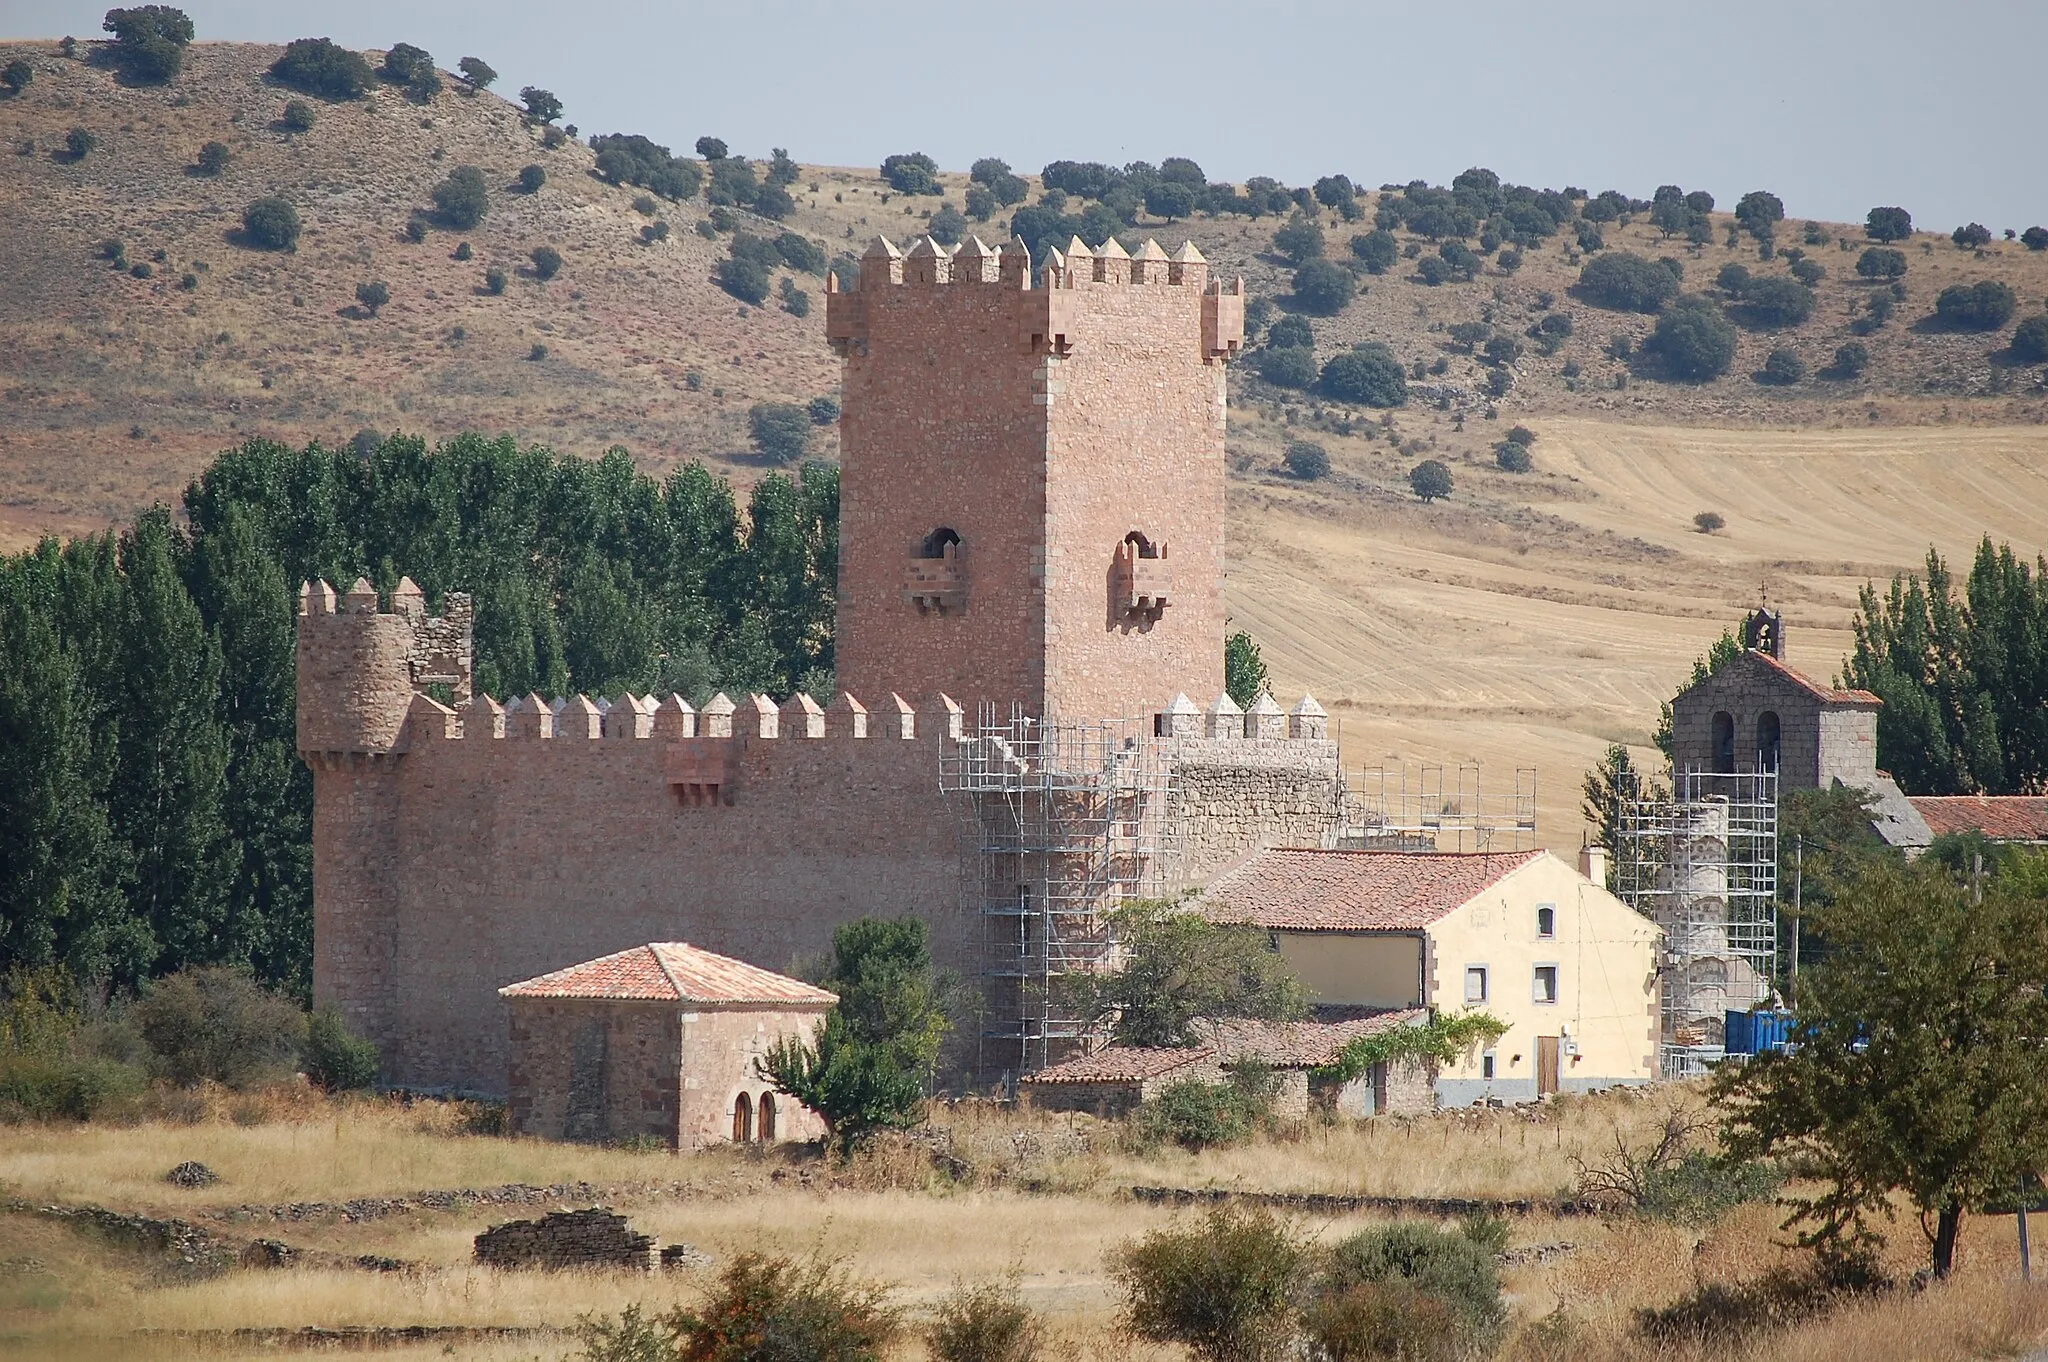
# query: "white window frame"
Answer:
x=1535 y=985
x=1541 y=909
x=1485 y=984
x=1486 y=1065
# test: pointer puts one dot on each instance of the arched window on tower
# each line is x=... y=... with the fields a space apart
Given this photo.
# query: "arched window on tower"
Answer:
x=1767 y=733
x=1724 y=742
x=937 y=542
x=742 y=1119
x=932 y=580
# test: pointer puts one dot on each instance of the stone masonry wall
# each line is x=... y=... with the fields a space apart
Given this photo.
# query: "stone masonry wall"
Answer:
x=719 y=1047
x=591 y=1070
x=1234 y=796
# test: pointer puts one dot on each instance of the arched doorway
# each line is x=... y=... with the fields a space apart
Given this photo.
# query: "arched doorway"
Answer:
x=766 y=1123
x=1724 y=742
x=1767 y=734
x=742 y=1119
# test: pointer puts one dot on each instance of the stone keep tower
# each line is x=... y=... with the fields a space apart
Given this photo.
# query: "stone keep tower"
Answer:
x=1031 y=504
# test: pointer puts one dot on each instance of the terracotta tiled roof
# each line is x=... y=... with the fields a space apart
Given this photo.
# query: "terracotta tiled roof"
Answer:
x=1122 y=1064
x=1303 y=1044
x=1336 y=891
x=671 y=971
x=2002 y=818
x=1815 y=688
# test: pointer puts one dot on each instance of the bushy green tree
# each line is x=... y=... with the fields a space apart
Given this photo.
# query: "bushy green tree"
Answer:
x=1850 y=361
x=1759 y=212
x=463 y=199
x=1287 y=366
x=987 y=1323
x=1224 y=1289
x=1773 y=301
x=1370 y=375
x=149 y=41
x=219 y=1025
x=2035 y=238
x=79 y=143
x=336 y=1058
x=1784 y=367
x=271 y=224
x=1888 y=224
x=1300 y=240
x=1244 y=670
x=869 y=1064
x=214 y=157
x=1180 y=972
x=1985 y=305
x=17 y=76
x=404 y=64
x=1693 y=339
x=1459 y=1268
x=1513 y=456
x=912 y=173
x=1170 y=199
x=373 y=296
x=629 y=158
x=532 y=177
x=1881 y=262
x=297 y=116
x=477 y=72
x=1291 y=331
x=781 y=431
x=948 y=226
x=541 y=105
x=547 y=262
x=1377 y=251
x=1625 y=282
x=1323 y=288
x=2030 y=340
x=319 y=67
x=1970 y=236
x=1307 y=460
x=1430 y=480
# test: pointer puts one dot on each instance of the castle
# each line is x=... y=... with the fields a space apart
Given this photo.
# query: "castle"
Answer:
x=1031 y=573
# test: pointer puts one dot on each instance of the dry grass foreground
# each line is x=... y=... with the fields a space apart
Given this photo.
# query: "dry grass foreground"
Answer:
x=1046 y=1220
x=118 y=389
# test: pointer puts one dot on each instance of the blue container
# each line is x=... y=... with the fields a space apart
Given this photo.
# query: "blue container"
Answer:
x=1752 y=1033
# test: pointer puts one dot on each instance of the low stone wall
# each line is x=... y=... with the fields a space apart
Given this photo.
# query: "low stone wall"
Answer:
x=567 y=1239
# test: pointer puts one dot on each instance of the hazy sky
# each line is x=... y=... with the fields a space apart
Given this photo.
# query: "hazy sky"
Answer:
x=1836 y=107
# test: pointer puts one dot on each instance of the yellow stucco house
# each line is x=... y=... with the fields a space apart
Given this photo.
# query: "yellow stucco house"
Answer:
x=1568 y=966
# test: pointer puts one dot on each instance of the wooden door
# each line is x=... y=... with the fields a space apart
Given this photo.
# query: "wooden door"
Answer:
x=1546 y=1065
x=742 y=1119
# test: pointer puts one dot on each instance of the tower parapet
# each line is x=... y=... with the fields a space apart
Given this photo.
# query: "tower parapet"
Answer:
x=359 y=666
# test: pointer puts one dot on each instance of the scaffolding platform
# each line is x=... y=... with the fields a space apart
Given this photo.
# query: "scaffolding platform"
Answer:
x=1436 y=808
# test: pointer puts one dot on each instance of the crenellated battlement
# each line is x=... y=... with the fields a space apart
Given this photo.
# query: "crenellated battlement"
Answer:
x=360 y=665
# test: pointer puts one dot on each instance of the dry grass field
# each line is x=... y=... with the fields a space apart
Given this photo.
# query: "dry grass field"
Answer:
x=1046 y=1221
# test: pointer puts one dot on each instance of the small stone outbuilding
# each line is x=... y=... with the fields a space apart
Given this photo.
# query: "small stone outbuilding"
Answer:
x=659 y=1041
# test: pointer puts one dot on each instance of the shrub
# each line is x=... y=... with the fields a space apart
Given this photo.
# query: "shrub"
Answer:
x=1694 y=340
x=1808 y=272
x=553 y=138
x=781 y=431
x=732 y=182
x=149 y=41
x=297 y=116
x=1291 y=331
x=980 y=203
x=1970 y=236
x=773 y=201
x=373 y=296
x=823 y=411
x=912 y=173
x=1307 y=460
x=1392 y=1321
x=1434 y=270
x=1503 y=350
x=538 y=353
x=744 y=278
x=477 y=72
x=79 y=143
x=761 y=1308
x=532 y=177
x=1287 y=366
x=404 y=64
x=1430 y=480
x=220 y=1024
x=1774 y=301
x=1323 y=288
x=800 y=253
x=1624 y=282
x=1708 y=522
x=947 y=226
x=17 y=76
x=36 y=1087
x=1369 y=375
x=319 y=67
x=463 y=198
x=985 y=1323
x=1881 y=262
x=541 y=105
x=652 y=232
x=547 y=261
x=1198 y=1114
x=1300 y=240
x=1759 y=212
x=1467 y=335
x=2035 y=238
x=271 y=224
x=629 y=158
x=1850 y=360
x=1783 y=367
x=795 y=301
x=2030 y=340
x=1223 y=1288
x=1521 y=435
x=1376 y=250
x=1170 y=199
x=712 y=148
x=494 y=279
x=1888 y=224
x=1456 y=1266
x=1513 y=456
x=214 y=158
x=336 y=1058
x=1983 y=306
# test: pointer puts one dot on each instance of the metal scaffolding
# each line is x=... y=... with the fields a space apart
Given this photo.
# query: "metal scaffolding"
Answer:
x=1702 y=863
x=1436 y=808
x=1070 y=819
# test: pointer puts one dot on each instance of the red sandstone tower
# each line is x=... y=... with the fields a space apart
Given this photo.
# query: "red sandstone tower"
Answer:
x=1031 y=504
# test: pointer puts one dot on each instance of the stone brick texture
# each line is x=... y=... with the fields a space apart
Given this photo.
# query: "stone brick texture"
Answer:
x=1821 y=740
x=563 y=1240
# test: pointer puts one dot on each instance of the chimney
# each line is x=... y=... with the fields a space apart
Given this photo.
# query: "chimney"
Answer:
x=1593 y=863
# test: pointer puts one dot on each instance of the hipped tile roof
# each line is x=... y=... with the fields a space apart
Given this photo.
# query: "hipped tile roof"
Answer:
x=1831 y=694
x=1305 y=889
x=672 y=971
x=2002 y=818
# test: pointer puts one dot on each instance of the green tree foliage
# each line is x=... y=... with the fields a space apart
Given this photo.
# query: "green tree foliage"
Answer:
x=1759 y=212
x=912 y=173
x=1244 y=670
x=149 y=42
x=463 y=198
x=372 y=296
x=1456 y=1267
x=733 y=183
x=1693 y=339
x=17 y=76
x=1624 y=282
x=1608 y=786
x=761 y=1308
x=218 y=1024
x=547 y=262
x=153 y=810
x=477 y=72
x=870 y=1063
x=1442 y=1039
x=1291 y=330
x=1370 y=375
x=1783 y=367
x=541 y=105
x=1881 y=262
x=781 y=431
x=1198 y=1114
x=629 y=158
x=405 y=64
x=712 y=148
x=1850 y=360
x=531 y=178
x=1287 y=366
x=1773 y=300
x=1182 y=971
x=334 y=1057
x=494 y=281
x=1808 y=271
x=297 y=116
x=1513 y=456
x=1983 y=306
x=1919 y=1069
x=2030 y=340
x=1964 y=680
x=1323 y=288
x=2035 y=238
x=1971 y=236
x=1223 y=1288
x=986 y=1323
x=1888 y=224
x=1300 y=240
x=1170 y=199
x=1307 y=460
x=1430 y=480
x=214 y=157
x=79 y=144
x=319 y=67
x=948 y=226
x=1377 y=251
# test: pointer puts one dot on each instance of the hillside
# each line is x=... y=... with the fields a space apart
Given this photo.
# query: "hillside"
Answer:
x=1528 y=620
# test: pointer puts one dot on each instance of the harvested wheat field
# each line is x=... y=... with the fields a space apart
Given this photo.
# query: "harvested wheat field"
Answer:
x=979 y=1196
x=1532 y=619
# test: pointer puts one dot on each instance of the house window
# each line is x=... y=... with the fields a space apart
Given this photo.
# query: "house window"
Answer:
x=1546 y=920
x=1486 y=1065
x=1546 y=984
x=1475 y=983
